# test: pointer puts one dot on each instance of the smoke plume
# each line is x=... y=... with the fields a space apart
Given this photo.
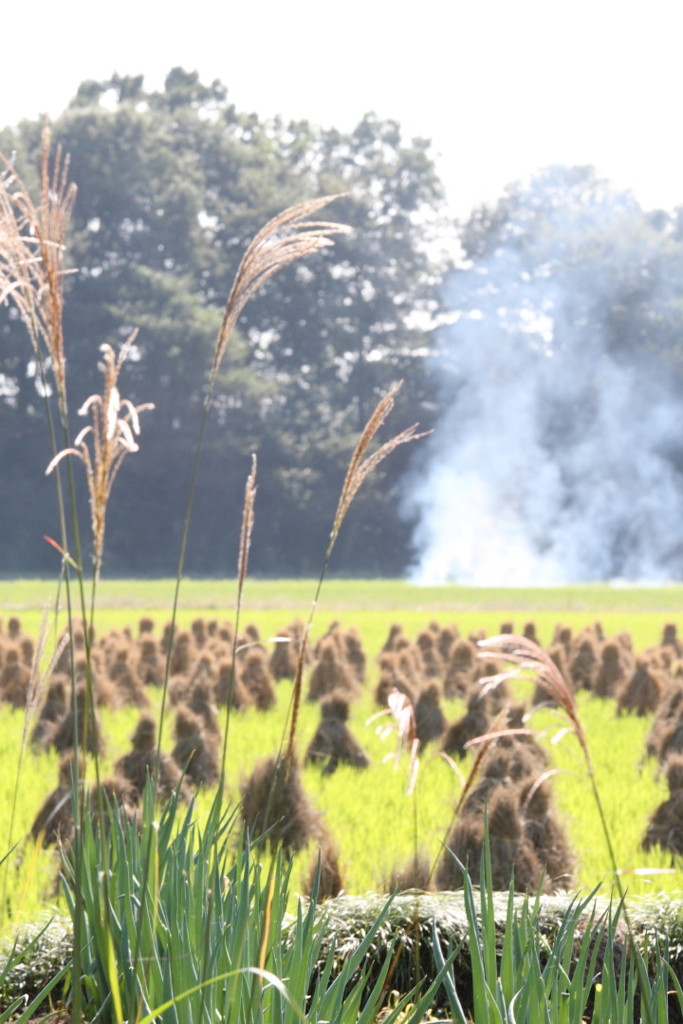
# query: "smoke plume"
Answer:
x=557 y=455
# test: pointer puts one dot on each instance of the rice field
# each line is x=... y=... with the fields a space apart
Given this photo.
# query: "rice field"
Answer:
x=373 y=821
x=370 y=605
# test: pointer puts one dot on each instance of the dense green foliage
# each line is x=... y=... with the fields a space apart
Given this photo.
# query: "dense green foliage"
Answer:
x=190 y=929
x=171 y=188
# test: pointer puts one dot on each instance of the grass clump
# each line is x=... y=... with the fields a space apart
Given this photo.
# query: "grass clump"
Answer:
x=203 y=935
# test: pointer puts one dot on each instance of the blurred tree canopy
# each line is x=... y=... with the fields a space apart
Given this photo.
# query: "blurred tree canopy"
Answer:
x=172 y=186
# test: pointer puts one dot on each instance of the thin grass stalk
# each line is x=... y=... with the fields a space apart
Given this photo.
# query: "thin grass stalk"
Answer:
x=80 y=765
x=416 y=915
x=359 y=468
x=483 y=745
x=31 y=274
x=76 y=563
x=242 y=563
x=285 y=239
x=243 y=559
x=361 y=465
x=38 y=291
x=32 y=271
x=282 y=241
x=196 y=461
x=267 y=918
x=100 y=476
x=528 y=656
x=114 y=424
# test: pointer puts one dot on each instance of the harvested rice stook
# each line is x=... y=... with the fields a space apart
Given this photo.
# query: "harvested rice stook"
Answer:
x=460 y=669
x=432 y=662
x=54 y=824
x=430 y=721
x=415 y=873
x=326 y=871
x=256 y=679
x=83 y=724
x=512 y=855
x=527 y=839
x=473 y=723
x=14 y=678
x=54 y=820
x=285 y=656
x=667 y=722
x=331 y=672
x=612 y=672
x=643 y=691
x=333 y=743
x=196 y=751
x=229 y=687
x=665 y=827
x=141 y=764
x=274 y=802
x=392 y=676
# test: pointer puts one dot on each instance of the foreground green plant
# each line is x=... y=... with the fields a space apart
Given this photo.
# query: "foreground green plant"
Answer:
x=19 y=1009
x=529 y=657
x=582 y=972
x=211 y=921
x=487 y=956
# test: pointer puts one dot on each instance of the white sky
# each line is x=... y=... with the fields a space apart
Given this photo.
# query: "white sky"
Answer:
x=502 y=87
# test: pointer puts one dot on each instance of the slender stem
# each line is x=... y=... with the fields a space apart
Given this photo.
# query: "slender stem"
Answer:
x=169 y=650
x=295 y=702
x=640 y=967
x=181 y=561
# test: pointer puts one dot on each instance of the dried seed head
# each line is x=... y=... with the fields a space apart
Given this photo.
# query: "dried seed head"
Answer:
x=103 y=444
x=284 y=239
x=32 y=247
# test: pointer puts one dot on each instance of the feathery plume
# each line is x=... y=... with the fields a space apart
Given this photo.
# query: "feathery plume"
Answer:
x=115 y=425
x=283 y=240
x=401 y=707
x=247 y=525
x=361 y=466
x=529 y=657
x=32 y=246
x=358 y=470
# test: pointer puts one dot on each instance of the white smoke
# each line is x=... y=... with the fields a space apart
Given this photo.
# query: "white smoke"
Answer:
x=555 y=456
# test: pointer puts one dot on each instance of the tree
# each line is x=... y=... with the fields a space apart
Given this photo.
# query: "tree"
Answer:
x=172 y=185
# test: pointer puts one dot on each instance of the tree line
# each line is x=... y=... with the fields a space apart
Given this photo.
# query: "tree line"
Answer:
x=172 y=185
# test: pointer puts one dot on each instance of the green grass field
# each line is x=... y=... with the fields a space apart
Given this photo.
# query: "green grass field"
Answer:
x=373 y=821
x=271 y=603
